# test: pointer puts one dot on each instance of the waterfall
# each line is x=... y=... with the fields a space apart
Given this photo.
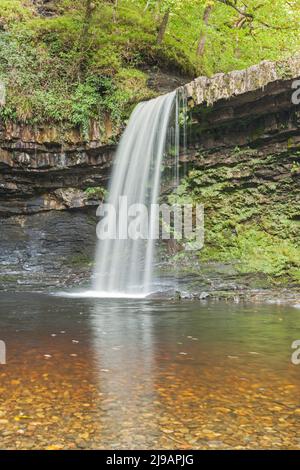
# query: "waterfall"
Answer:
x=124 y=265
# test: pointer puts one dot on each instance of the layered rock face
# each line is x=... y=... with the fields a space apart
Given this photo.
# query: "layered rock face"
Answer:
x=43 y=170
x=243 y=150
x=244 y=153
x=248 y=139
x=50 y=186
x=255 y=108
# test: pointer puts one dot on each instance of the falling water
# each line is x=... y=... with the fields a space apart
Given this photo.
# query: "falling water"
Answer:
x=124 y=266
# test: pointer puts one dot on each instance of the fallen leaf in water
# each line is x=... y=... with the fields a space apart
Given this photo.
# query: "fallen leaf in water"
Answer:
x=15 y=382
x=54 y=447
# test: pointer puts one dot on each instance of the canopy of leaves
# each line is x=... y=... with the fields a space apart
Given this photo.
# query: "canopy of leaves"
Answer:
x=88 y=57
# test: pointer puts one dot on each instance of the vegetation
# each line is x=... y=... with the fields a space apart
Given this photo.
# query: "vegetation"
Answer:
x=96 y=192
x=90 y=58
x=255 y=227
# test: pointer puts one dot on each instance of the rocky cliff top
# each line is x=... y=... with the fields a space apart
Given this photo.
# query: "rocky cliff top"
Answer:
x=227 y=85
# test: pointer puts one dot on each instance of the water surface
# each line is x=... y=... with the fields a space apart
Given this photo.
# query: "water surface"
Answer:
x=130 y=374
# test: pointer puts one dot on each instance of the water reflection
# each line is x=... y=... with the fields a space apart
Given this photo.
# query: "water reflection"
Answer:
x=96 y=373
x=124 y=351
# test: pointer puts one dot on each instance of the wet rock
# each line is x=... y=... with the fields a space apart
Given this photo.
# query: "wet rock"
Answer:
x=49 y=249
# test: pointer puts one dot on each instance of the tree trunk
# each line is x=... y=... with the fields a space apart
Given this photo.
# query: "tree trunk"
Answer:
x=162 y=27
x=202 y=39
x=147 y=5
x=84 y=35
x=89 y=6
x=115 y=11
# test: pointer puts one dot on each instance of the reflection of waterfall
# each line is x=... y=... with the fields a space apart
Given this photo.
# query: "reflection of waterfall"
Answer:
x=124 y=352
x=124 y=266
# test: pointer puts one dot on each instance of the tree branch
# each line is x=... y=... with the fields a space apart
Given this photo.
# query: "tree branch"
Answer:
x=202 y=38
x=250 y=17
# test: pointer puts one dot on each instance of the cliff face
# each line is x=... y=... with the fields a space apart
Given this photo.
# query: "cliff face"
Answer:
x=44 y=170
x=244 y=156
x=50 y=185
x=243 y=153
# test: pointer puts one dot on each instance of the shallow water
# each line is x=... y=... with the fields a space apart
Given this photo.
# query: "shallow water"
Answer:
x=121 y=373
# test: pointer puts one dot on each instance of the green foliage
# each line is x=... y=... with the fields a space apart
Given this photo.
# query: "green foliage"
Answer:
x=119 y=94
x=40 y=61
x=86 y=60
x=13 y=11
x=295 y=168
x=97 y=192
x=84 y=104
x=255 y=227
x=256 y=251
x=79 y=260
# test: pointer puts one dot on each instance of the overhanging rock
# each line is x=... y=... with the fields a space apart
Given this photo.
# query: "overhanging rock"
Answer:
x=252 y=108
x=227 y=85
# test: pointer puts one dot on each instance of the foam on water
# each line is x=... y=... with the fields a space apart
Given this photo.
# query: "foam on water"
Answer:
x=99 y=295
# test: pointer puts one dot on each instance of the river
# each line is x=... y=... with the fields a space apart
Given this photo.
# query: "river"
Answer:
x=102 y=373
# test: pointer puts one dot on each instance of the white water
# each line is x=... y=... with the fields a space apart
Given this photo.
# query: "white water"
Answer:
x=124 y=267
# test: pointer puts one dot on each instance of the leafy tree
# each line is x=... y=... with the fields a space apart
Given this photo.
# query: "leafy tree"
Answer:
x=89 y=58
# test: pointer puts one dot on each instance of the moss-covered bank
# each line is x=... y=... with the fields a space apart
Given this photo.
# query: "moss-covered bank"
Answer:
x=252 y=215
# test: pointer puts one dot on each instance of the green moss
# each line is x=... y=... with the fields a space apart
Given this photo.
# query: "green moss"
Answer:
x=14 y=11
x=295 y=168
x=256 y=251
x=55 y=75
x=251 y=222
x=8 y=278
x=284 y=71
x=79 y=260
x=97 y=192
x=55 y=67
